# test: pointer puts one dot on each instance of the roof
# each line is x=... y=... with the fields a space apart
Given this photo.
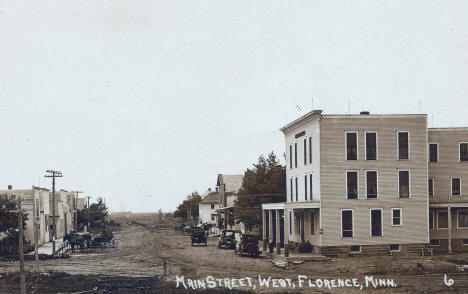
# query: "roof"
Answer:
x=232 y=183
x=212 y=197
x=23 y=193
x=454 y=129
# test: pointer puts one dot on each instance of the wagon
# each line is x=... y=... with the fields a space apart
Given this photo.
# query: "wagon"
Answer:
x=198 y=235
x=247 y=244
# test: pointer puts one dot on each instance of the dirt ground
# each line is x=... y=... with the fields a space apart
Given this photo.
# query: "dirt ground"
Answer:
x=145 y=249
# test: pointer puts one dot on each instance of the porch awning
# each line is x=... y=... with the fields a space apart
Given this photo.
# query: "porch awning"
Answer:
x=452 y=205
x=273 y=206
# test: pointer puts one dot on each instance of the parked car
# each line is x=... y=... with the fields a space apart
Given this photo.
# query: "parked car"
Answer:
x=227 y=239
x=247 y=244
x=198 y=235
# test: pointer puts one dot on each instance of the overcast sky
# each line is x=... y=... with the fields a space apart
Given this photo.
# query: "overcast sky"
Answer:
x=143 y=102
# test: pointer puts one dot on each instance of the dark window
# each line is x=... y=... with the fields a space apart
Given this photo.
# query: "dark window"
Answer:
x=352 y=184
x=291 y=187
x=462 y=220
x=305 y=151
x=290 y=222
x=456 y=186
x=430 y=183
x=463 y=151
x=394 y=247
x=351 y=146
x=212 y=206
x=310 y=187
x=376 y=222
x=312 y=223
x=290 y=156
x=433 y=153
x=305 y=187
x=371 y=184
x=435 y=242
x=396 y=217
x=297 y=191
x=442 y=220
x=403 y=145
x=465 y=241
x=295 y=154
x=347 y=223
x=355 y=248
x=403 y=180
x=431 y=219
x=310 y=150
x=371 y=146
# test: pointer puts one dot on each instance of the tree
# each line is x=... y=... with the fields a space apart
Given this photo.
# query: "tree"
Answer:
x=189 y=206
x=95 y=214
x=264 y=183
x=9 y=224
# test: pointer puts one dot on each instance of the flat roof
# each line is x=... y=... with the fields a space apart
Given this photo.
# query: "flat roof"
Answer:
x=448 y=129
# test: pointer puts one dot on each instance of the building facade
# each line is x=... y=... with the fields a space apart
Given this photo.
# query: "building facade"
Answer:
x=356 y=184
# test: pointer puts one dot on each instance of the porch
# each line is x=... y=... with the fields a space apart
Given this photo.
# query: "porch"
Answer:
x=448 y=224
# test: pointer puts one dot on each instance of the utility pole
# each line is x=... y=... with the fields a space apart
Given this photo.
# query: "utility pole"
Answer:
x=20 y=248
x=87 y=214
x=75 y=203
x=36 y=227
x=53 y=174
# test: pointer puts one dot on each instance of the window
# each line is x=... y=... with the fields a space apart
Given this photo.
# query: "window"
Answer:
x=442 y=220
x=431 y=219
x=434 y=242
x=297 y=191
x=290 y=222
x=305 y=151
x=403 y=145
x=371 y=184
x=312 y=223
x=376 y=222
x=213 y=217
x=295 y=154
x=462 y=219
x=305 y=187
x=371 y=146
x=347 y=223
x=463 y=151
x=212 y=206
x=355 y=249
x=310 y=150
x=430 y=188
x=351 y=146
x=290 y=156
x=396 y=217
x=310 y=187
x=291 y=188
x=352 y=184
x=456 y=186
x=465 y=242
x=433 y=152
x=403 y=183
x=394 y=247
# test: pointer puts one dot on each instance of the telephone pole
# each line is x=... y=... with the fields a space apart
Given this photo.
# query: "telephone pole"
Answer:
x=21 y=247
x=53 y=174
x=75 y=203
x=87 y=214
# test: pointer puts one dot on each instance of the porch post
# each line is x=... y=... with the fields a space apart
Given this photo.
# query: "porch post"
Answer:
x=278 y=232
x=449 y=229
x=265 y=240
x=270 y=225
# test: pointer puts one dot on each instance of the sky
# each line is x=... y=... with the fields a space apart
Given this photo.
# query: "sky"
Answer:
x=143 y=102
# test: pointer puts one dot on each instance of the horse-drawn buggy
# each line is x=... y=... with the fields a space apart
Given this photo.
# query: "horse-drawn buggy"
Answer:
x=85 y=242
x=247 y=244
x=199 y=235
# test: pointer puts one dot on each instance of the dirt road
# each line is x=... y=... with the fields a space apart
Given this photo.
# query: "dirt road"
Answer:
x=145 y=249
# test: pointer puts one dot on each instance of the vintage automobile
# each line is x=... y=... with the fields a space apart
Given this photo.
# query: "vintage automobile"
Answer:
x=227 y=239
x=247 y=244
x=198 y=235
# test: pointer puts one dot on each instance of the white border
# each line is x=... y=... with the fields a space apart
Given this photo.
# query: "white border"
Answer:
x=341 y=221
x=409 y=183
x=377 y=183
x=376 y=144
x=429 y=153
x=346 y=144
x=346 y=181
x=458 y=227
x=401 y=217
x=398 y=145
x=451 y=186
x=381 y=222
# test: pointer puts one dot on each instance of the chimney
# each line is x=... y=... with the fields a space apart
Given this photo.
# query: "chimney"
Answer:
x=317 y=111
x=364 y=113
x=216 y=188
x=209 y=189
x=10 y=187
